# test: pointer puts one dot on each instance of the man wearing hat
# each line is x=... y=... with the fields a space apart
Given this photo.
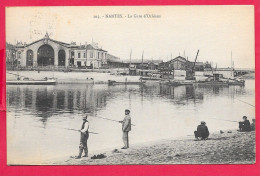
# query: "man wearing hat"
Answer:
x=126 y=127
x=83 y=138
x=202 y=131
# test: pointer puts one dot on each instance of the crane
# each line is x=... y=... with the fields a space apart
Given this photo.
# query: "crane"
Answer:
x=193 y=68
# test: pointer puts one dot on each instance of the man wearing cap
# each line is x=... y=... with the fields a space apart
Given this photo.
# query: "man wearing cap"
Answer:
x=202 y=131
x=126 y=127
x=83 y=138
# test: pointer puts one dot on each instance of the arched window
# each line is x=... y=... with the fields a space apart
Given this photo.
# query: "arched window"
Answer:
x=61 y=56
x=29 y=58
x=45 y=55
x=72 y=58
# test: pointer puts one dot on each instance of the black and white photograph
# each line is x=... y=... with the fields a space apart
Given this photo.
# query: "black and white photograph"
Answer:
x=130 y=85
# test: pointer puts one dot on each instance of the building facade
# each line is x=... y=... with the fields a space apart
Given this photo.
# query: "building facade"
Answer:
x=47 y=52
x=10 y=55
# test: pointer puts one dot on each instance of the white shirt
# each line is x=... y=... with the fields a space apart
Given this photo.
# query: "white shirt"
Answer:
x=85 y=128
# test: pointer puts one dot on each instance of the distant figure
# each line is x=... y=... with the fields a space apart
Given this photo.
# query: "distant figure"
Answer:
x=202 y=131
x=253 y=125
x=245 y=125
x=83 y=138
x=126 y=127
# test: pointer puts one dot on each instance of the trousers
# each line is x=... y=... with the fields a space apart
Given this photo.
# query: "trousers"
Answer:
x=83 y=144
x=126 y=139
x=202 y=135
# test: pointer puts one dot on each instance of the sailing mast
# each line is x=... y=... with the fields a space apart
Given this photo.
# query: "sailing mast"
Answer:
x=232 y=62
x=211 y=65
x=130 y=57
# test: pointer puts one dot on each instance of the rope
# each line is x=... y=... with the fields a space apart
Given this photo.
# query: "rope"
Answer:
x=109 y=119
x=244 y=102
x=76 y=130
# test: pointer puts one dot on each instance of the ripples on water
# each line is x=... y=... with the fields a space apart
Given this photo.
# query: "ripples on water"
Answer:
x=37 y=115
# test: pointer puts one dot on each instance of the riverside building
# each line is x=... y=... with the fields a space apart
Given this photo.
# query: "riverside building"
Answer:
x=47 y=52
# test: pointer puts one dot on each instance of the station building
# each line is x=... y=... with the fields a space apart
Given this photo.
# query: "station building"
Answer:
x=48 y=52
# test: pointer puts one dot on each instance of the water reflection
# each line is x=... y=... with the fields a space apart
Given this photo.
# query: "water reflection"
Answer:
x=45 y=101
x=181 y=94
x=159 y=111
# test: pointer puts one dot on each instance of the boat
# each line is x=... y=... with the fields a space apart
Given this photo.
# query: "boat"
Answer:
x=223 y=83
x=112 y=83
x=27 y=81
x=151 y=78
x=178 y=82
x=213 y=83
x=239 y=82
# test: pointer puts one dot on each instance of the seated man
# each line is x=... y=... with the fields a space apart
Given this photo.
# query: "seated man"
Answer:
x=202 y=131
x=245 y=125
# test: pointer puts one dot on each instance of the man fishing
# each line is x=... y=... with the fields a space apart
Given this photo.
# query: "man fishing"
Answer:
x=202 y=131
x=126 y=127
x=245 y=125
x=84 y=134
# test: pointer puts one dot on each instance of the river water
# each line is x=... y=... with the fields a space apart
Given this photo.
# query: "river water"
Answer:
x=37 y=115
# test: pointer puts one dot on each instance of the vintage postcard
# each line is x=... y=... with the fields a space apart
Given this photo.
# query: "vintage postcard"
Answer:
x=126 y=85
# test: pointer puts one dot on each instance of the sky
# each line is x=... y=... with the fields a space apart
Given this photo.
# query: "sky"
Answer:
x=216 y=31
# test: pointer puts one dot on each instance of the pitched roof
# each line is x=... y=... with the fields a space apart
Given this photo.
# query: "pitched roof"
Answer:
x=92 y=47
x=55 y=41
x=178 y=58
x=112 y=58
x=89 y=46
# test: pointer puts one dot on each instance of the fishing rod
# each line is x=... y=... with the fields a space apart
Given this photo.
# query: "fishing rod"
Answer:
x=110 y=119
x=77 y=130
x=244 y=102
x=222 y=119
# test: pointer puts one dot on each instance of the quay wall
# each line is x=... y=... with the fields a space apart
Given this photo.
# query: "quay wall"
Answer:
x=72 y=77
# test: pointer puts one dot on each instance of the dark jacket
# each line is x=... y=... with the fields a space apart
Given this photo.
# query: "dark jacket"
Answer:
x=203 y=131
x=245 y=126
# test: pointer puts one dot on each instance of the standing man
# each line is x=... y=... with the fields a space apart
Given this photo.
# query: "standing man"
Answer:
x=83 y=138
x=126 y=127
